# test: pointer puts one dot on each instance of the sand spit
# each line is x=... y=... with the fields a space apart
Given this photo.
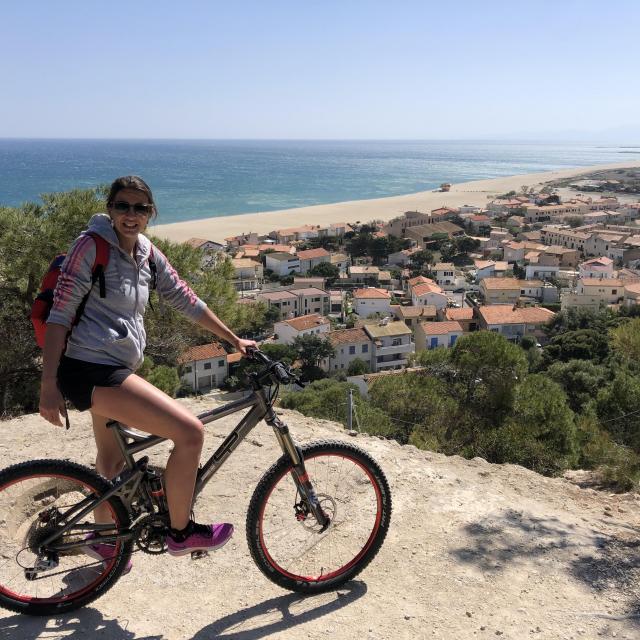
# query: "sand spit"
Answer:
x=477 y=192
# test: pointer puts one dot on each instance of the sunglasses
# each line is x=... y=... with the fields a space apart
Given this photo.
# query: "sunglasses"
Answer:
x=140 y=209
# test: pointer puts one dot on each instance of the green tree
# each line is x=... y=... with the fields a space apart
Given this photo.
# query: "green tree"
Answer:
x=358 y=367
x=582 y=344
x=540 y=434
x=311 y=349
x=166 y=379
x=325 y=270
x=488 y=368
x=625 y=340
x=580 y=379
x=618 y=407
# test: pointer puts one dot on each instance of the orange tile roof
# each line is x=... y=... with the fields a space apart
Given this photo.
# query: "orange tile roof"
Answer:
x=313 y=253
x=203 y=352
x=421 y=289
x=232 y=358
x=466 y=313
x=195 y=242
x=440 y=328
x=419 y=280
x=505 y=314
x=345 y=336
x=307 y=322
x=632 y=288
x=371 y=293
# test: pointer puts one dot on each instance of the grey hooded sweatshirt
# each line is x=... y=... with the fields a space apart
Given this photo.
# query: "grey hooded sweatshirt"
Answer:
x=111 y=329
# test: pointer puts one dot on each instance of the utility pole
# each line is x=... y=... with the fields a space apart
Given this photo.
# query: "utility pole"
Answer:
x=350 y=409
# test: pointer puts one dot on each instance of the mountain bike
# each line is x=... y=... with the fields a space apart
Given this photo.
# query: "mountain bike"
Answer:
x=316 y=519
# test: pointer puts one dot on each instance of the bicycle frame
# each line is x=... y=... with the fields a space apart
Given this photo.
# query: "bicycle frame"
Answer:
x=260 y=408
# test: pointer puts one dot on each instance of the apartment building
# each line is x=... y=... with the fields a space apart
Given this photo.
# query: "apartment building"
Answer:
x=391 y=345
x=565 y=237
x=247 y=274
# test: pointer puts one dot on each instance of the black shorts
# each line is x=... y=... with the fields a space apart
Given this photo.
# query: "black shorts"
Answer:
x=77 y=379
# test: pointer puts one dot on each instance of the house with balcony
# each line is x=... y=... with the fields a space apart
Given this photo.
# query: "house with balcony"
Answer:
x=203 y=367
x=312 y=257
x=282 y=264
x=514 y=323
x=247 y=274
x=371 y=300
x=430 y=335
x=348 y=344
x=445 y=273
x=391 y=345
x=286 y=331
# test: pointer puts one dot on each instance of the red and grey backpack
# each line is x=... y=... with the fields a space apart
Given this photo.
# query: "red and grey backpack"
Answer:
x=44 y=300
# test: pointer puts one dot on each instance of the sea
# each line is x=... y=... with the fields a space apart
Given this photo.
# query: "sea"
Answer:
x=193 y=179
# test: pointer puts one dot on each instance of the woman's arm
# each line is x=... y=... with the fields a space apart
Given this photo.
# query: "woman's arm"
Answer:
x=210 y=321
x=51 y=400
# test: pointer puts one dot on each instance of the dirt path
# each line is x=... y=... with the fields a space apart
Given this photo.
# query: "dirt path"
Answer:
x=474 y=551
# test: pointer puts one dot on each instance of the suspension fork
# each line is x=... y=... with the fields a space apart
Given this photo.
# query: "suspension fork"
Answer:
x=299 y=472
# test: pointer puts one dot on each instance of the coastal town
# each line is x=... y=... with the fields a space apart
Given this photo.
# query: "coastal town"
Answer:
x=380 y=292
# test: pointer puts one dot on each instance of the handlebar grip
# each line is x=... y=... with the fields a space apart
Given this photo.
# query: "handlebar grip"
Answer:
x=281 y=373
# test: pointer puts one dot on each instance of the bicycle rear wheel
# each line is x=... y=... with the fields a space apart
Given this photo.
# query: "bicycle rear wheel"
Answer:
x=33 y=498
x=286 y=541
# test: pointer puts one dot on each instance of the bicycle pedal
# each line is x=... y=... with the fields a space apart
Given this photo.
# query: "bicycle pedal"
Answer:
x=198 y=555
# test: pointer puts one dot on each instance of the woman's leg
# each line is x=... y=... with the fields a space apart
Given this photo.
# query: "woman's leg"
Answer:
x=109 y=460
x=139 y=404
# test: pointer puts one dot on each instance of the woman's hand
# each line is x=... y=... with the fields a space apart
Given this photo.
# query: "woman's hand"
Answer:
x=242 y=345
x=51 y=402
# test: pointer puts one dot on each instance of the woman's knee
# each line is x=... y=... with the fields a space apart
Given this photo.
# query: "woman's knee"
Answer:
x=190 y=433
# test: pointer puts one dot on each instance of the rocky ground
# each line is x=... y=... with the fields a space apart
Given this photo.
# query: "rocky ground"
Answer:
x=474 y=551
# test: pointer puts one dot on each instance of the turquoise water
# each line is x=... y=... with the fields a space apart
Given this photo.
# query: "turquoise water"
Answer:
x=194 y=179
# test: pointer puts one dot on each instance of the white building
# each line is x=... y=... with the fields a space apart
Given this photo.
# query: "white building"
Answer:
x=445 y=274
x=286 y=331
x=204 y=367
x=371 y=300
x=428 y=294
x=312 y=257
x=349 y=344
x=430 y=335
x=596 y=268
x=282 y=264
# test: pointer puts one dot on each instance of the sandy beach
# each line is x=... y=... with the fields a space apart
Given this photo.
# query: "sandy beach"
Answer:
x=477 y=192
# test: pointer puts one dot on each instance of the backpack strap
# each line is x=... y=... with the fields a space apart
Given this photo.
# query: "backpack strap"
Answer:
x=97 y=272
x=100 y=262
x=154 y=271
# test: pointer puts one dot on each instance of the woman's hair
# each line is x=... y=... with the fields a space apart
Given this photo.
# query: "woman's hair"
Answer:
x=131 y=182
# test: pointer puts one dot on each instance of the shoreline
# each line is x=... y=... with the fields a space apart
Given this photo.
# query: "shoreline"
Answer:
x=475 y=192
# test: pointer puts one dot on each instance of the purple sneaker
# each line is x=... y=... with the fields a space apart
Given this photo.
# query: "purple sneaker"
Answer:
x=103 y=552
x=201 y=537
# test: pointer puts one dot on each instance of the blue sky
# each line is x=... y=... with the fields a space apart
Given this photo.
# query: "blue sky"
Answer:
x=347 y=69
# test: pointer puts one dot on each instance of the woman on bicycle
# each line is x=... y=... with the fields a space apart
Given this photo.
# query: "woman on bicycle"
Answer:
x=94 y=368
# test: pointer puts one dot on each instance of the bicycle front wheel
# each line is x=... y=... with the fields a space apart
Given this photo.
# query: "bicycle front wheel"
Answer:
x=286 y=541
x=34 y=498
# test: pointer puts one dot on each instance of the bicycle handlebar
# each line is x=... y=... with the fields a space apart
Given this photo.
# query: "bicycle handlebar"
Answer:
x=277 y=369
